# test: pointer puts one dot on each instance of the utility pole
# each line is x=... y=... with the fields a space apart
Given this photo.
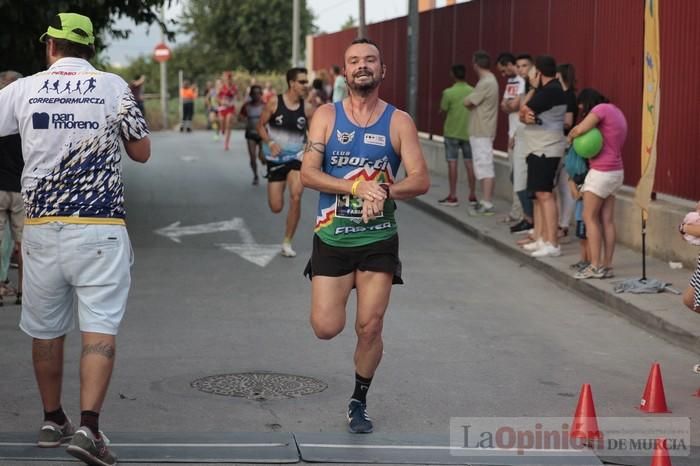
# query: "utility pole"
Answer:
x=362 y=27
x=413 y=34
x=180 y=81
x=295 y=34
x=163 y=76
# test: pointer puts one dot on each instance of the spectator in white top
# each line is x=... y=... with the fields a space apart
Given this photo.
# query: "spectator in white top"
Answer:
x=72 y=120
x=513 y=95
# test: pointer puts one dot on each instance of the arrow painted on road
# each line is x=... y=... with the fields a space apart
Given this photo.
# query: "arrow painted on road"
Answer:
x=258 y=254
x=174 y=231
x=248 y=248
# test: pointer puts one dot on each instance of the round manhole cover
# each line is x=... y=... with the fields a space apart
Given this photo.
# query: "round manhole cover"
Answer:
x=259 y=385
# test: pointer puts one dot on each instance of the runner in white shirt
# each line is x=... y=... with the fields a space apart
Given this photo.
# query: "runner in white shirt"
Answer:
x=72 y=119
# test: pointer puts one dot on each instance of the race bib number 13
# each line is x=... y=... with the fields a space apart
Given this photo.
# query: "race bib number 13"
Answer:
x=349 y=206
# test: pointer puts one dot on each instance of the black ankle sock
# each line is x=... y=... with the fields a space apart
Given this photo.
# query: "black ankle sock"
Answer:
x=58 y=416
x=91 y=420
x=361 y=388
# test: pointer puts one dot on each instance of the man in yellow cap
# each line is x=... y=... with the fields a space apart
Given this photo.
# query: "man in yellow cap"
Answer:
x=72 y=120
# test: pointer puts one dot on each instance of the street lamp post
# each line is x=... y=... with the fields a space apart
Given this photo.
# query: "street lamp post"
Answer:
x=413 y=33
x=362 y=27
x=295 y=33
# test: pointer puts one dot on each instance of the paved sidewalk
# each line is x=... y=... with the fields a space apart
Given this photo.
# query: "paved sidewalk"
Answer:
x=663 y=314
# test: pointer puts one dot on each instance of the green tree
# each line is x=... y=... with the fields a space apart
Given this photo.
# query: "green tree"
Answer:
x=23 y=22
x=349 y=23
x=248 y=34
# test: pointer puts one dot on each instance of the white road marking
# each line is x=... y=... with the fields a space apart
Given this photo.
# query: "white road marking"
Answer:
x=167 y=445
x=248 y=249
x=174 y=231
x=439 y=447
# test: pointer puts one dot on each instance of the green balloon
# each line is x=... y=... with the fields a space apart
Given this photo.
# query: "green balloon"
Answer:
x=588 y=144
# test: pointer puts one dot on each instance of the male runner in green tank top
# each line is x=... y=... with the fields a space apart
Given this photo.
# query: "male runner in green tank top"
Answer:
x=352 y=158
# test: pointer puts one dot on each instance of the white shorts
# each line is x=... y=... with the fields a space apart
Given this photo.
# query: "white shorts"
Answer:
x=482 y=156
x=65 y=263
x=519 y=165
x=603 y=184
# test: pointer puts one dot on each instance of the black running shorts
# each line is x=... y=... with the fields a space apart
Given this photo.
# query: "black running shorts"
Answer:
x=253 y=136
x=279 y=171
x=541 y=172
x=331 y=261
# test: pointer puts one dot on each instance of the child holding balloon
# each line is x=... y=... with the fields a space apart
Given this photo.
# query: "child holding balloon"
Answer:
x=604 y=178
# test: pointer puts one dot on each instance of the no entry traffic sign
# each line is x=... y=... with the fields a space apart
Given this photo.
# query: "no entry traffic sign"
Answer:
x=161 y=53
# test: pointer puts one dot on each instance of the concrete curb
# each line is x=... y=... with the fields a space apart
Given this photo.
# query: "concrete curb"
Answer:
x=610 y=301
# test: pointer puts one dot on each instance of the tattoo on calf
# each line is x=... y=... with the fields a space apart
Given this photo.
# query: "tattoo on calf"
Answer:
x=100 y=348
x=315 y=146
x=42 y=351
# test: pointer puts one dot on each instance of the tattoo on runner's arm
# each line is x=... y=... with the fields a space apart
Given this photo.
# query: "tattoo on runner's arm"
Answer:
x=100 y=348
x=315 y=146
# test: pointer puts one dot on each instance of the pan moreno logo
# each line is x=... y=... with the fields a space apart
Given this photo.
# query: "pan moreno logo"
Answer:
x=42 y=120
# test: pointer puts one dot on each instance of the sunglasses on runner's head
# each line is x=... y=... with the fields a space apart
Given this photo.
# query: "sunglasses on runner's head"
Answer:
x=303 y=81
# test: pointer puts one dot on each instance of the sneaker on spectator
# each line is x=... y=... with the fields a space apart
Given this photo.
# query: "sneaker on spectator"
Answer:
x=521 y=226
x=51 y=435
x=534 y=246
x=449 y=201
x=358 y=420
x=547 y=250
x=608 y=272
x=473 y=201
x=510 y=219
x=91 y=450
x=481 y=209
x=590 y=272
x=580 y=265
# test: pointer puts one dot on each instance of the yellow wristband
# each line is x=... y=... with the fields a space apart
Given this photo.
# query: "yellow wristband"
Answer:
x=354 y=187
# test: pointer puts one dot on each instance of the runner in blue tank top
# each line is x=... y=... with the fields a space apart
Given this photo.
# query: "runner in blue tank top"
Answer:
x=352 y=158
x=282 y=129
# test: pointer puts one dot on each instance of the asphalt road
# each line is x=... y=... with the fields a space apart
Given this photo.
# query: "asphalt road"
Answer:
x=472 y=333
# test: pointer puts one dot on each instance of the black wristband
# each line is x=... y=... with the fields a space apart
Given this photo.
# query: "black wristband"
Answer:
x=385 y=187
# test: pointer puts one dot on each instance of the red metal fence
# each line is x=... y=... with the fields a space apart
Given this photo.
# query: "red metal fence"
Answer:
x=602 y=38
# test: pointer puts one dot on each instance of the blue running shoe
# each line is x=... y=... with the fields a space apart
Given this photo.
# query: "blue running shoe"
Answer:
x=358 y=420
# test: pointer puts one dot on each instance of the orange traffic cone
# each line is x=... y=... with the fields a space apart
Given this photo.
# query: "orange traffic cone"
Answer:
x=585 y=423
x=661 y=457
x=653 y=399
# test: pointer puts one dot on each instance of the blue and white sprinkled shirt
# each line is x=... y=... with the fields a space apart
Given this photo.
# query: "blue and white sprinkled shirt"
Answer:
x=72 y=119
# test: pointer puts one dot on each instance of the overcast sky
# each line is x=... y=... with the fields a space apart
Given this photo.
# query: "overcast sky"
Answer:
x=330 y=15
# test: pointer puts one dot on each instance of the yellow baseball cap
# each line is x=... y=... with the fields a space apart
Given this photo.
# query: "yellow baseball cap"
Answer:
x=71 y=27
